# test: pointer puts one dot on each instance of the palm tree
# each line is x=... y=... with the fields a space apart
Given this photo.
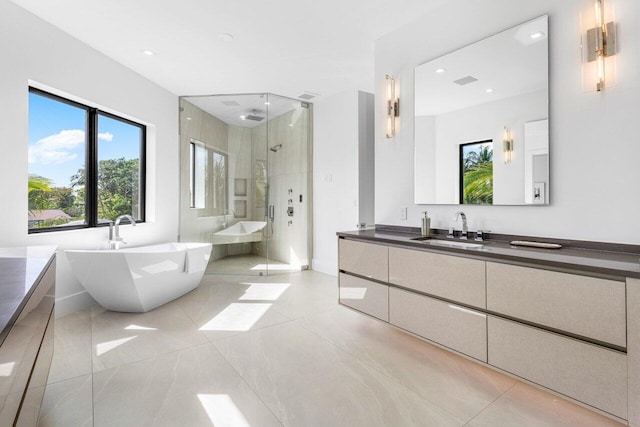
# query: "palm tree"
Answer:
x=477 y=176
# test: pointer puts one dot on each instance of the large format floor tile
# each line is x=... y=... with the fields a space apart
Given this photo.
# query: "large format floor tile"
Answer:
x=192 y=387
x=67 y=403
x=221 y=308
x=460 y=386
x=72 y=344
x=525 y=405
x=275 y=350
x=120 y=338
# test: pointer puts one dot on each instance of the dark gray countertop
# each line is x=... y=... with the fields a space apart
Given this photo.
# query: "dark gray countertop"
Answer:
x=20 y=270
x=573 y=259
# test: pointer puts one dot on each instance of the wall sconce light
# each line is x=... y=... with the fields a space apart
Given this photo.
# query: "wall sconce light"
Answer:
x=507 y=145
x=599 y=43
x=393 y=106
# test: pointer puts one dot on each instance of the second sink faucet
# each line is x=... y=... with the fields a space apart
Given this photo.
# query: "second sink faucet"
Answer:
x=465 y=230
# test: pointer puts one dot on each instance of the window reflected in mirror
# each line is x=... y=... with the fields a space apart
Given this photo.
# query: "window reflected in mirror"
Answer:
x=476 y=173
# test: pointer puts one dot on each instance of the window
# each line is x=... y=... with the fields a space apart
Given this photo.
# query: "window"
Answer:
x=86 y=166
x=208 y=179
x=476 y=173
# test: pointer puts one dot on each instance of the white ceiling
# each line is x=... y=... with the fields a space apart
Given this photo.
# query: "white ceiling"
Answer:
x=509 y=63
x=285 y=47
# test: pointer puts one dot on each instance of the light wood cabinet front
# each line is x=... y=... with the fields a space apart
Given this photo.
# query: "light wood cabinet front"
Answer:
x=450 y=277
x=581 y=305
x=364 y=295
x=453 y=326
x=365 y=259
x=589 y=373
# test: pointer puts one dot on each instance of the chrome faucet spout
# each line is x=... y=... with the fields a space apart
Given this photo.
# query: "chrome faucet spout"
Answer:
x=465 y=230
x=114 y=237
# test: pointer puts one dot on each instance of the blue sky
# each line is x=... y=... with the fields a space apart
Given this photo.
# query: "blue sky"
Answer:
x=57 y=139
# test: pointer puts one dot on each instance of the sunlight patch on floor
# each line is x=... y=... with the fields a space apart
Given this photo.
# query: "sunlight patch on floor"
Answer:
x=140 y=328
x=264 y=291
x=107 y=346
x=222 y=411
x=237 y=317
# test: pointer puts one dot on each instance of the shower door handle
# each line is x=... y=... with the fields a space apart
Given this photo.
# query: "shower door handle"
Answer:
x=271 y=212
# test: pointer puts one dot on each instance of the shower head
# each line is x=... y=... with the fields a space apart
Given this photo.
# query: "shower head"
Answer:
x=275 y=148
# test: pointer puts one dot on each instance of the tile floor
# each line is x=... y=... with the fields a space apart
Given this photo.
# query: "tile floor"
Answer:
x=277 y=350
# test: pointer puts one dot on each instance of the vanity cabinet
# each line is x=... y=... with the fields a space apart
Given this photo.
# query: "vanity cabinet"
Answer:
x=450 y=277
x=589 y=307
x=364 y=295
x=359 y=261
x=586 y=372
x=450 y=325
x=364 y=259
x=26 y=349
x=574 y=332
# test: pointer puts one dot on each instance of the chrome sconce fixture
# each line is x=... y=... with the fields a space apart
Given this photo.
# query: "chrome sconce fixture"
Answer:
x=507 y=145
x=599 y=44
x=393 y=106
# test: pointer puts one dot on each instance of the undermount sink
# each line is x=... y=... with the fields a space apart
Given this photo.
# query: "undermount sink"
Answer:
x=449 y=243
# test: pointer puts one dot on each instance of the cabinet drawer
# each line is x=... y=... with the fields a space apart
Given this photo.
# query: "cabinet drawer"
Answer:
x=451 y=277
x=586 y=372
x=366 y=259
x=586 y=306
x=455 y=327
x=366 y=296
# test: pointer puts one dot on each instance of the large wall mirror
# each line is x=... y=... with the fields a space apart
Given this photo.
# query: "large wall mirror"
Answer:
x=481 y=121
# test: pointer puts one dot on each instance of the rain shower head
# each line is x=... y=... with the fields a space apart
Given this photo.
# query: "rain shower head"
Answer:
x=275 y=148
x=254 y=116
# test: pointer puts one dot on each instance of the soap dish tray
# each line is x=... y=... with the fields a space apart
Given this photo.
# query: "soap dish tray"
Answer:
x=536 y=244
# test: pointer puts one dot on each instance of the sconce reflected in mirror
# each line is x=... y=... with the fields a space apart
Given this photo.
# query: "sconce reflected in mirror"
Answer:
x=599 y=45
x=507 y=145
x=393 y=106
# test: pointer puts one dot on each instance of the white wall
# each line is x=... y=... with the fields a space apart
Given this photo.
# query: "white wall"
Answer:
x=593 y=136
x=32 y=50
x=479 y=123
x=335 y=176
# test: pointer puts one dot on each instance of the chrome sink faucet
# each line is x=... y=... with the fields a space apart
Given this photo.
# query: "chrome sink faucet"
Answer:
x=465 y=230
x=114 y=237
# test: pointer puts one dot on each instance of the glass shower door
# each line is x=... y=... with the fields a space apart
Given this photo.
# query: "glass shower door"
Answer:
x=245 y=181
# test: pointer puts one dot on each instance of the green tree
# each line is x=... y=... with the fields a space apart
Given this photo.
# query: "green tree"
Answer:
x=477 y=176
x=118 y=186
x=38 y=190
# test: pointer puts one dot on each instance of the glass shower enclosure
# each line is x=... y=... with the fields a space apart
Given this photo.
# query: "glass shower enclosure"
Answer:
x=245 y=181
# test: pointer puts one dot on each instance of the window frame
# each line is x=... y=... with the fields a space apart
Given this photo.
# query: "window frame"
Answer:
x=91 y=163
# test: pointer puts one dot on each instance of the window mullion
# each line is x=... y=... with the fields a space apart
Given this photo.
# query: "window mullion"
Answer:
x=92 y=168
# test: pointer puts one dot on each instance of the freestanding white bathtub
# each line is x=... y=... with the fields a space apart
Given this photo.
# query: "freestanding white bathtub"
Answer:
x=143 y=278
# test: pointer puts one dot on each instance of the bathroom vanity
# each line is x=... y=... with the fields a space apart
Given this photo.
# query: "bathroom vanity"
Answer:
x=566 y=319
x=27 y=298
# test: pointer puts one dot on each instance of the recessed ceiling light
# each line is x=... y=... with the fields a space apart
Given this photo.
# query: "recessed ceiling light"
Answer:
x=537 y=35
x=441 y=70
x=267 y=103
x=243 y=117
x=225 y=37
x=148 y=52
x=291 y=124
x=488 y=90
x=188 y=118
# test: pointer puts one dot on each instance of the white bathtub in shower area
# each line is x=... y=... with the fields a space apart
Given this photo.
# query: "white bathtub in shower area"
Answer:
x=142 y=278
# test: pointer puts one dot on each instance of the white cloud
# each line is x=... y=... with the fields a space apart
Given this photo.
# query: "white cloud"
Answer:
x=105 y=136
x=57 y=148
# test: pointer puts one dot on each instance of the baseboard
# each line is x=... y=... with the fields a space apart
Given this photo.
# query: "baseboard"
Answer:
x=318 y=266
x=73 y=303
